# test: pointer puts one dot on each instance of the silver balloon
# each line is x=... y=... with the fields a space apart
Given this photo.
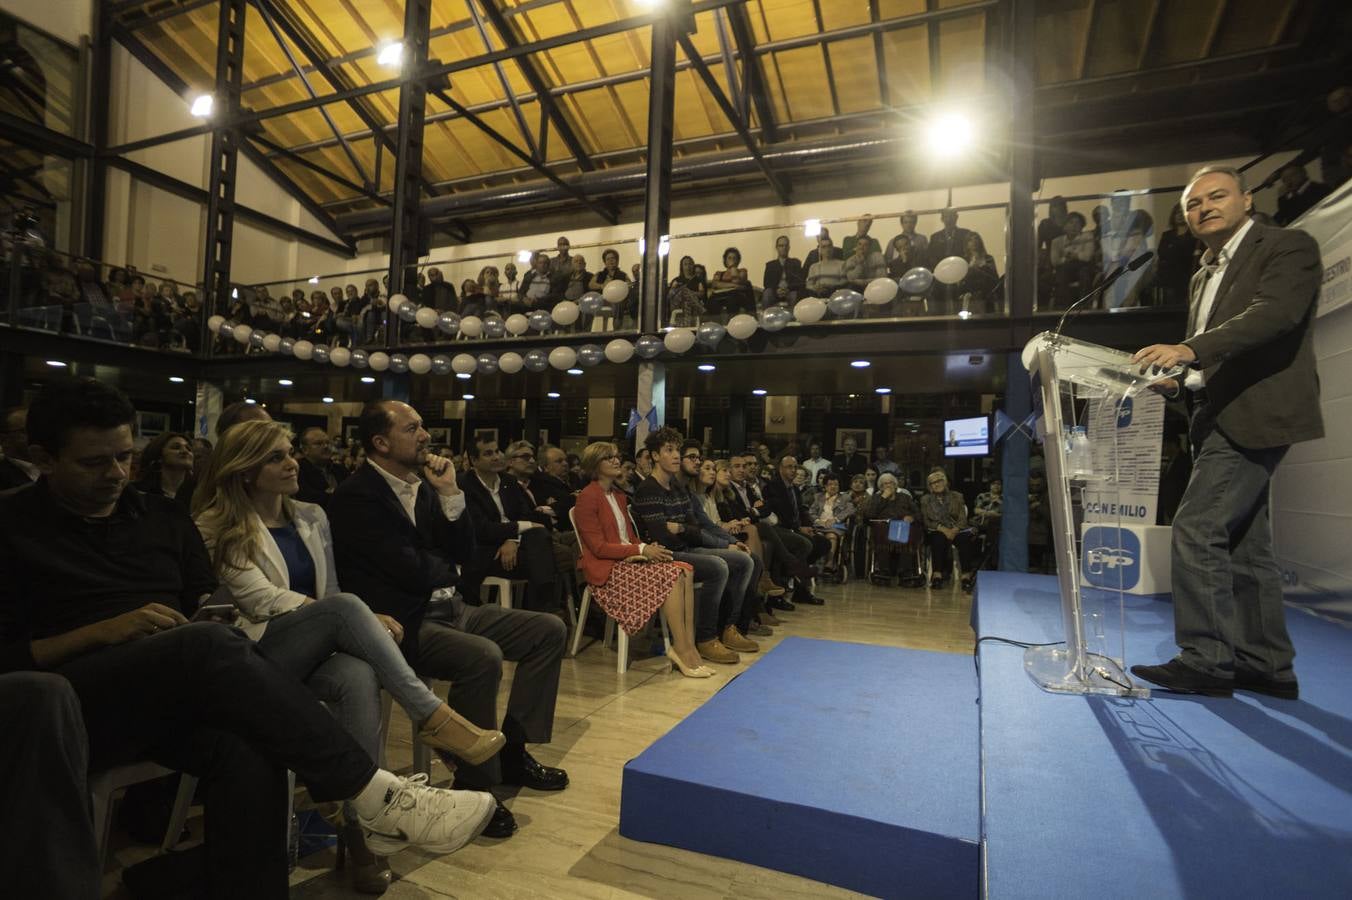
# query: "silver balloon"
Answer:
x=537 y=360
x=487 y=363
x=648 y=346
x=775 y=318
x=409 y=311
x=398 y=363
x=845 y=302
x=589 y=355
x=917 y=280
x=256 y=340
x=448 y=322
x=360 y=359
x=590 y=303
x=494 y=327
x=227 y=329
x=441 y=365
x=286 y=346
x=710 y=333
x=320 y=354
x=540 y=320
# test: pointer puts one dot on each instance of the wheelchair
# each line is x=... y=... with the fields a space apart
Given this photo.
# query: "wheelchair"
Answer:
x=894 y=563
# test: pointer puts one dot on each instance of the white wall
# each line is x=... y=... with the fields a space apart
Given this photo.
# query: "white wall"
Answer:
x=65 y=19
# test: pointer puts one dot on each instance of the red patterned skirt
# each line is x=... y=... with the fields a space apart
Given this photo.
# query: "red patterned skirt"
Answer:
x=634 y=591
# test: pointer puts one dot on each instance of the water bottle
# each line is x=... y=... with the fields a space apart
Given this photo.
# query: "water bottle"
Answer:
x=1080 y=459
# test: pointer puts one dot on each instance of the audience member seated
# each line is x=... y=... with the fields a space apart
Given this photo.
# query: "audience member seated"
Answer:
x=945 y=516
x=1072 y=257
x=17 y=468
x=829 y=514
x=863 y=264
x=239 y=411
x=398 y=539
x=1177 y=258
x=522 y=469
x=716 y=493
x=275 y=557
x=859 y=492
x=976 y=291
x=473 y=300
x=849 y=461
x=686 y=294
x=536 y=288
x=730 y=289
x=888 y=503
x=861 y=236
x=815 y=255
x=794 y=528
x=630 y=579
x=550 y=487
x=808 y=487
x=664 y=517
x=98 y=587
x=988 y=511
x=166 y=468
x=610 y=271
x=319 y=474
x=882 y=461
x=815 y=463
x=578 y=281
x=784 y=280
x=747 y=503
x=1298 y=194
x=827 y=274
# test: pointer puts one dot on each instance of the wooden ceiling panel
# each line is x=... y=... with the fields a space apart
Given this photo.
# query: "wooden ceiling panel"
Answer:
x=806 y=89
x=906 y=55
x=1116 y=40
x=1182 y=37
x=843 y=14
x=962 y=59
x=1060 y=35
x=896 y=9
x=855 y=66
x=1249 y=25
x=788 y=19
x=597 y=108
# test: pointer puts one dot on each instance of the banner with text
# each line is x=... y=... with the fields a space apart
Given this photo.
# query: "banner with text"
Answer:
x=1125 y=442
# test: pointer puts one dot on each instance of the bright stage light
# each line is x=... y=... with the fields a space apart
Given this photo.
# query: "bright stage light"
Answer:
x=524 y=257
x=812 y=228
x=202 y=105
x=950 y=134
x=391 y=54
x=314 y=279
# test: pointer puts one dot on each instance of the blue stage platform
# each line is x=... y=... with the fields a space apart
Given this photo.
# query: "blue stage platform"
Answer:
x=1169 y=797
x=851 y=764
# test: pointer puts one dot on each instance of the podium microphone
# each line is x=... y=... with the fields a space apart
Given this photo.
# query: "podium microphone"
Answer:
x=1103 y=286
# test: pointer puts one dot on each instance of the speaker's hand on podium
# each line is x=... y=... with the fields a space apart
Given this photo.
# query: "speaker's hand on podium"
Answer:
x=1163 y=357
x=1169 y=388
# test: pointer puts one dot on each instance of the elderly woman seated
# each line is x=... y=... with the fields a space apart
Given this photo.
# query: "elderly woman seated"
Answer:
x=829 y=513
x=945 y=516
x=891 y=502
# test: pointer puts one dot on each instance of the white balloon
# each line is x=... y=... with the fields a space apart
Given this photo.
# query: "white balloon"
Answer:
x=378 y=361
x=517 y=324
x=340 y=357
x=214 y=324
x=679 y=340
x=426 y=317
x=464 y=364
x=242 y=333
x=809 y=309
x=397 y=302
x=303 y=350
x=420 y=364
x=563 y=358
x=742 y=326
x=880 y=291
x=272 y=342
x=378 y=302
x=511 y=362
x=615 y=291
x=619 y=351
x=565 y=312
x=950 y=270
x=471 y=326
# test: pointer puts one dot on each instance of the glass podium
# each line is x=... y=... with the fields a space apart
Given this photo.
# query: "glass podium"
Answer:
x=1081 y=392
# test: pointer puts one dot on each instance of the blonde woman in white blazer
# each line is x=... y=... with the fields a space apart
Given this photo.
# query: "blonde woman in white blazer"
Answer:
x=275 y=556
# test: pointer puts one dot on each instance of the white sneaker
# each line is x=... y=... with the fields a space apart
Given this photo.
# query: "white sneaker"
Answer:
x=433 y=819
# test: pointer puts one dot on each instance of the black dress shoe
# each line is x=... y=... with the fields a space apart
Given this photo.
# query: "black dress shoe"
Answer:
x=1183 y=679
x=809 y=599
x=503 y=823
x=1285 y=688
x=525 y=770
x=780 y=603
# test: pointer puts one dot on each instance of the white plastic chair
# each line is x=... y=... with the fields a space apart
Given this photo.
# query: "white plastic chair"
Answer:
x=108 y=786
x=509 y=592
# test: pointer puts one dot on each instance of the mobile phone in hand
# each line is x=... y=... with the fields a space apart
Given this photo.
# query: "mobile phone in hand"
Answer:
x=215 y=612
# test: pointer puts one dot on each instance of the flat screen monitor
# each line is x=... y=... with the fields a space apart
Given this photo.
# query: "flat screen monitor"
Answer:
x=967 y=437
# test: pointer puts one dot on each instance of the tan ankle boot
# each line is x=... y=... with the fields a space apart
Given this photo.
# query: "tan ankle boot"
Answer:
x=455 y=734
x=735 y=640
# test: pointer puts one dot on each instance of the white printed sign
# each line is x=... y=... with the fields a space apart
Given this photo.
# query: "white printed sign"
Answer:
x=1125 y=442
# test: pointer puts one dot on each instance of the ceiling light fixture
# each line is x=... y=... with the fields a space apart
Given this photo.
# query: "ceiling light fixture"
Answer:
x=251 y=401
x=707 y=367
x=368 y=379
x=524 y=257
x=463 y=376
x=56 y=364
x=176 y=379
x=950 y=135
x=284 y=382
x=812 y=228
x=759 y=392
x=202 y=105
x=469 y=396
x=574 y=371
x=326 y=399
x=882 y=390
x=861 y=364
x=553 y=395
x=314 y=279
x=391 y=54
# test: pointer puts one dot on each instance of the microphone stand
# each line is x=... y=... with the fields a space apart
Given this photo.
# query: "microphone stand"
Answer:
x=1103 y=286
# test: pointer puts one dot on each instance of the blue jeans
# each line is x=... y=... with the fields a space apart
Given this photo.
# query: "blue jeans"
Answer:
x=711 y=572
x=345 y=656
x=1227 y=589
x=741 y=572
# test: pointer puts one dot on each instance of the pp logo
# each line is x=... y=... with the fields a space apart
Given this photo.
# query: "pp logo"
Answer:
x=1124 y=413
x=1112 y=558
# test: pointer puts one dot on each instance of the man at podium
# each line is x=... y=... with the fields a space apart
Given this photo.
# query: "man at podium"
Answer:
x=1252 y=392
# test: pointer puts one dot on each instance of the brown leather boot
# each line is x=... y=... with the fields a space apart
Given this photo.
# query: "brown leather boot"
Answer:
x=714 y=651
x=735 y=640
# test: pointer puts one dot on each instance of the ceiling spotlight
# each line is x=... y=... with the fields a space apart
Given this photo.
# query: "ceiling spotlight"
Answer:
x=861 y=364
x=326 y=399
x=56 y=364
x=202 y=105
x=176 y=379
x=950 y=134
x=706 y=367
x=463 y=376
x=368 y=379
x=469 y=396
x=812 y=228
x=759 y=392
x=391 y=54
x=882 y=390
x=284 y=382
x=574 y=371
x=524 y=257
x=251 y=401
x=553 y=395
x=234 y=293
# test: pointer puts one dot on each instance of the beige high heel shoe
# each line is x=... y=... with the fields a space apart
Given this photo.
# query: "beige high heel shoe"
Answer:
x=456 y=734
x=696 y=672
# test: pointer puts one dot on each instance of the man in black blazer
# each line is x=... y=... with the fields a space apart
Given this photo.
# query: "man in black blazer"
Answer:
x=785 y=502
x=319 y=477
x=1298 y=195
x=785 y=279
x=511 y=540
x=1253 y=391
x=949 y=240
x=398 y=539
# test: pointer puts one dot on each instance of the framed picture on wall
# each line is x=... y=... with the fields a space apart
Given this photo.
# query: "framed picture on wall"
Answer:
x=351 y=434
x=440 y=435
x=484 y=436
x=544 y=436
x=151 y=424
x=863 y=438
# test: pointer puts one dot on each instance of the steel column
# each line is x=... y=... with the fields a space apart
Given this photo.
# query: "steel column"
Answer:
x=223 y=161
x=408 y=150
x=99 y=85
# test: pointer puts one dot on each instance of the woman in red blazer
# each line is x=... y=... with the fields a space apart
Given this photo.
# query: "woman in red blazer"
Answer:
x=631 y=580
